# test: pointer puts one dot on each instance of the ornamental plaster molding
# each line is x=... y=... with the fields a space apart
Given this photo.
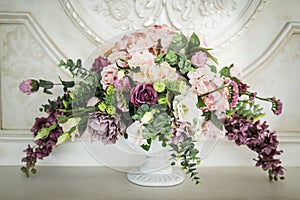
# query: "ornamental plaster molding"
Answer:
x=24 y=46
x=288 y=30
x=36 y=31
x=219 y=21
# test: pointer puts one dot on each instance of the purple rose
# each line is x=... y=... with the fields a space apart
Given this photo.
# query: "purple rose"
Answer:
x=29 y=86
x=199 y=59
x=105 y=127
x=143 y=93
x=99 y=64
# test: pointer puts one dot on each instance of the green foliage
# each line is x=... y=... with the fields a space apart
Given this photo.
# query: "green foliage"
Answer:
x=171 y=57
x=200 y=102
x=179 y=41
x=75 y=68
x=44 y=132
x=225 y=72
x=186 y=152
x=248 y=110
x=194 y=41
x=86 y=90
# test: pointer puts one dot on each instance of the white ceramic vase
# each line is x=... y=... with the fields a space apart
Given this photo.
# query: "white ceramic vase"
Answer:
x=157 y=170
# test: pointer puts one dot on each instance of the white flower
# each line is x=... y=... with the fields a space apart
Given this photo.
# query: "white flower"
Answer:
x=154 y=72
x=139 y=58
x=185 y=108
x=68 y=125
x=135 y=134
x=147 y=117
x=93 y=101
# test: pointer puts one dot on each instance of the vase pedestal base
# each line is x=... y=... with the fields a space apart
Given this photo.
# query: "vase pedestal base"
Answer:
x=161 y=178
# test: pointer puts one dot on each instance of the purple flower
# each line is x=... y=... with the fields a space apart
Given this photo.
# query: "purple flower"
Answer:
x=199 y=59
x=29 y=86
x=276 y=106
x=105 y=127
x=242 y=88
x=122 y=84
x=252 y=96
x=257 y=137
x=99 y=64
x=233 y=92
x=143 y=93
x=122 y=87
x=181 y=131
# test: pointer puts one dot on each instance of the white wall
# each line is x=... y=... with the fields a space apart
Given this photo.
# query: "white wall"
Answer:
x=262 y=37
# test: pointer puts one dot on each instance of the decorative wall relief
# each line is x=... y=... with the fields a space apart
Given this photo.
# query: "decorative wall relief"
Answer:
x=220 y=21
x=25 y=52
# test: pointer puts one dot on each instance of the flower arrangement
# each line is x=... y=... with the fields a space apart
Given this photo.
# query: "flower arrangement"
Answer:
x=155 y=84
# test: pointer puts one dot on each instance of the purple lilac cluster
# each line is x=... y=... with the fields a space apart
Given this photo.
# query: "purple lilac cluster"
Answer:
x=257 y=137
x=43 y=146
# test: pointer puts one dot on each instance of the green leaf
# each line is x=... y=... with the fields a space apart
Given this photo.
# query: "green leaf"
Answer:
x=44 y=132
x=200 y=103
x=214 y=119
x=213 y=68
x=82 y=125
x=67 y=84
x=61 y=63
x=63 y=138
x=47 y=91
x=70 y=62
x=79 y=63
x=62 y=119
x=225 y=71
x=194 y=41
x=145 y=147
x=46 y=84
x=72 y=129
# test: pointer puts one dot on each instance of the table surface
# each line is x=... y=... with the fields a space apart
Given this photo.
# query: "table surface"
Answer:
x=72 y=183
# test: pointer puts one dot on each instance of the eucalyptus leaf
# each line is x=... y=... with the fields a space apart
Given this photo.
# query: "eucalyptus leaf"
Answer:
x=45 y=84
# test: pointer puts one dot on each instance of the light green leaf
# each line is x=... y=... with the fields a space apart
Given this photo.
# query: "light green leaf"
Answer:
x=62 y=119
x=63 y=138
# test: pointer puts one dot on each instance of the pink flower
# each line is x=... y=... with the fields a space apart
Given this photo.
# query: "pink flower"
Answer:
x=29 y=86
x=108 y=75
x=233 y=92
x=199 y=59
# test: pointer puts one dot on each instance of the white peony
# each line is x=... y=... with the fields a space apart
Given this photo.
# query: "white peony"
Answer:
x=185 y=107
